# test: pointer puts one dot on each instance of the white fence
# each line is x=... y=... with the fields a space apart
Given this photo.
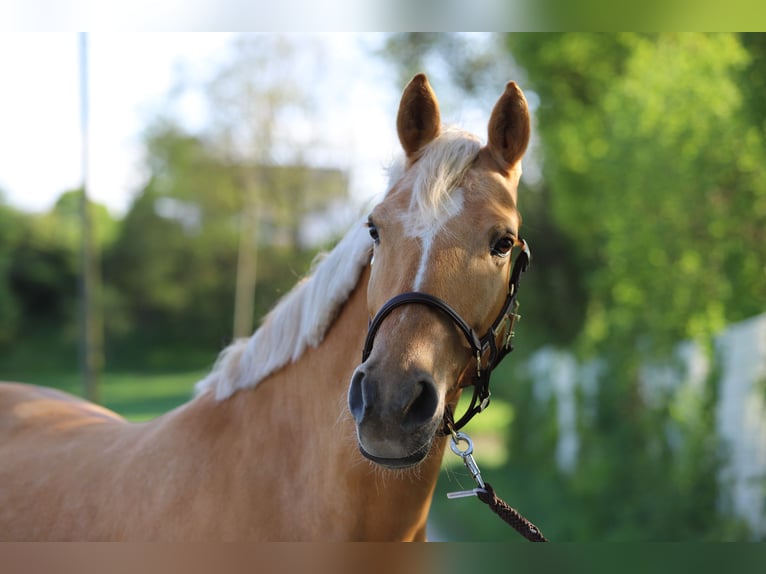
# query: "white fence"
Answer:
x=740 y=353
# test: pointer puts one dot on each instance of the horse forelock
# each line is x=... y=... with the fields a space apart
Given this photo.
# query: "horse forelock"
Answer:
x=434 y=179
x=300 y=320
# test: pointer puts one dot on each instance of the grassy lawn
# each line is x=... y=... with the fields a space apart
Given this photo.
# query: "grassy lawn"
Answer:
x=136 y=396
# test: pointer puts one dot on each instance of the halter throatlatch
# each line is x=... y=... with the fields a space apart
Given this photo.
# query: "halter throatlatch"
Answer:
x=487 y=351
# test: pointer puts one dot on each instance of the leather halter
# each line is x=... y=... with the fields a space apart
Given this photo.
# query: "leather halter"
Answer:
x=480 y=346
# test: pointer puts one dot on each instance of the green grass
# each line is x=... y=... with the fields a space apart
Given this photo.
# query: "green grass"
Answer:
x=136 y=396
x=145 y=396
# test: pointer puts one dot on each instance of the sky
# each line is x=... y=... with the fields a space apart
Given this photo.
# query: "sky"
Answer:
x=130 y=77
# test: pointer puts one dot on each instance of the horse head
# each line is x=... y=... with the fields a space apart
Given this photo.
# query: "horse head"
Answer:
x=442 y=264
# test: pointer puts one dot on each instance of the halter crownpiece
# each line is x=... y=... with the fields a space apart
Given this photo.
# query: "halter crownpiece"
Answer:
x=480 y=346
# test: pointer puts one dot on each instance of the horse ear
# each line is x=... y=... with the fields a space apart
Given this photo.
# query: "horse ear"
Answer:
x=418 y=121
x=509 y=127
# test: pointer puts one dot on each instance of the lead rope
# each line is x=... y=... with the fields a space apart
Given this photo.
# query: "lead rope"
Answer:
x=509 y=514
x=486 y=493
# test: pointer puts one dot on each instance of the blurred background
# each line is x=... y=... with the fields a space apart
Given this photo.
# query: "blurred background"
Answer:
x=215 y=167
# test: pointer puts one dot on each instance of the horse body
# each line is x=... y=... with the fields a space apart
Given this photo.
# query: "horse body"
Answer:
x=277 y=445
x=208 y=470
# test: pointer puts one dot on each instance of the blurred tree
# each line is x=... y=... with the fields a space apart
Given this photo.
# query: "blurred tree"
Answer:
x=39 y=256
x=655 y=168
x=171 y=272
x=44 y=266
x=168 y=273
x=256 y=99
x=65 y=219
x=467 y=63
x=10 y=228
x=753 y=79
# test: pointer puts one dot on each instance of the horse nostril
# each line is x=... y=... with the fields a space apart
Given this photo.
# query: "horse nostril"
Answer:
x=422 y=407
x=358 y=397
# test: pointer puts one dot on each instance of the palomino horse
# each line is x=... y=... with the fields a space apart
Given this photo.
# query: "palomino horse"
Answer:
x=276 y=444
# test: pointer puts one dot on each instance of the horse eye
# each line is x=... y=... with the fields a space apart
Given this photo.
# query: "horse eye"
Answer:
x=374 y=232
x=503 y=247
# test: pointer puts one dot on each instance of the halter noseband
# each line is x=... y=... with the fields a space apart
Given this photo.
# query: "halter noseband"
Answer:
x=480 y=346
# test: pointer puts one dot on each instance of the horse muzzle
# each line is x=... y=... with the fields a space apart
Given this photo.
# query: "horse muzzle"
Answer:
x=395 y=430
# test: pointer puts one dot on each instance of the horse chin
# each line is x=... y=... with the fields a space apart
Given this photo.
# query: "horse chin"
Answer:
x=408 y=461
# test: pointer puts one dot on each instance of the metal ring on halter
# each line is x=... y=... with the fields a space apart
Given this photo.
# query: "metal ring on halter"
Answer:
x=461 y=437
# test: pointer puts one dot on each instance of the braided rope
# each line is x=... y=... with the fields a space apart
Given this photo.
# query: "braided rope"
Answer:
x=510 y=515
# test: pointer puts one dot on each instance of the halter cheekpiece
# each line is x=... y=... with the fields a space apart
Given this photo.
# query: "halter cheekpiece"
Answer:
x=502 y=329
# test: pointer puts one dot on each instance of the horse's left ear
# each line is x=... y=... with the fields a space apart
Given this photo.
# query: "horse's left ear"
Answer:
x=418 y=121
x=509 y=127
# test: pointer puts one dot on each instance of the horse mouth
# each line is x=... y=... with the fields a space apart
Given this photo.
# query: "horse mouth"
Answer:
x=398 y=463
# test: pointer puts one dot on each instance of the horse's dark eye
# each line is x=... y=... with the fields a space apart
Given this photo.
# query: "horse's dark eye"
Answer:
x=374 y=232
x=502 y=247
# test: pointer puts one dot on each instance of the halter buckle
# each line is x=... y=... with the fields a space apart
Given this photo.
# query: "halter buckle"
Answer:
x=513 y=317
x=506 y=329
x=511 y=333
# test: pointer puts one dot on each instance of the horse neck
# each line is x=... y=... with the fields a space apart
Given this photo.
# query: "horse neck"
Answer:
x=294 y=430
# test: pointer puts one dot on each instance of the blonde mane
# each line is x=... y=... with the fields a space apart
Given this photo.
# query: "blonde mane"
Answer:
x=299 y=320
x=303 y=317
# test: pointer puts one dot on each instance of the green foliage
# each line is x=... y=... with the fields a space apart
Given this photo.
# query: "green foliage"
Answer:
x=9 y=314
x=556 y=286
x=171 y=271
x=753 y=75
x=654 y=168
x=39 y=262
